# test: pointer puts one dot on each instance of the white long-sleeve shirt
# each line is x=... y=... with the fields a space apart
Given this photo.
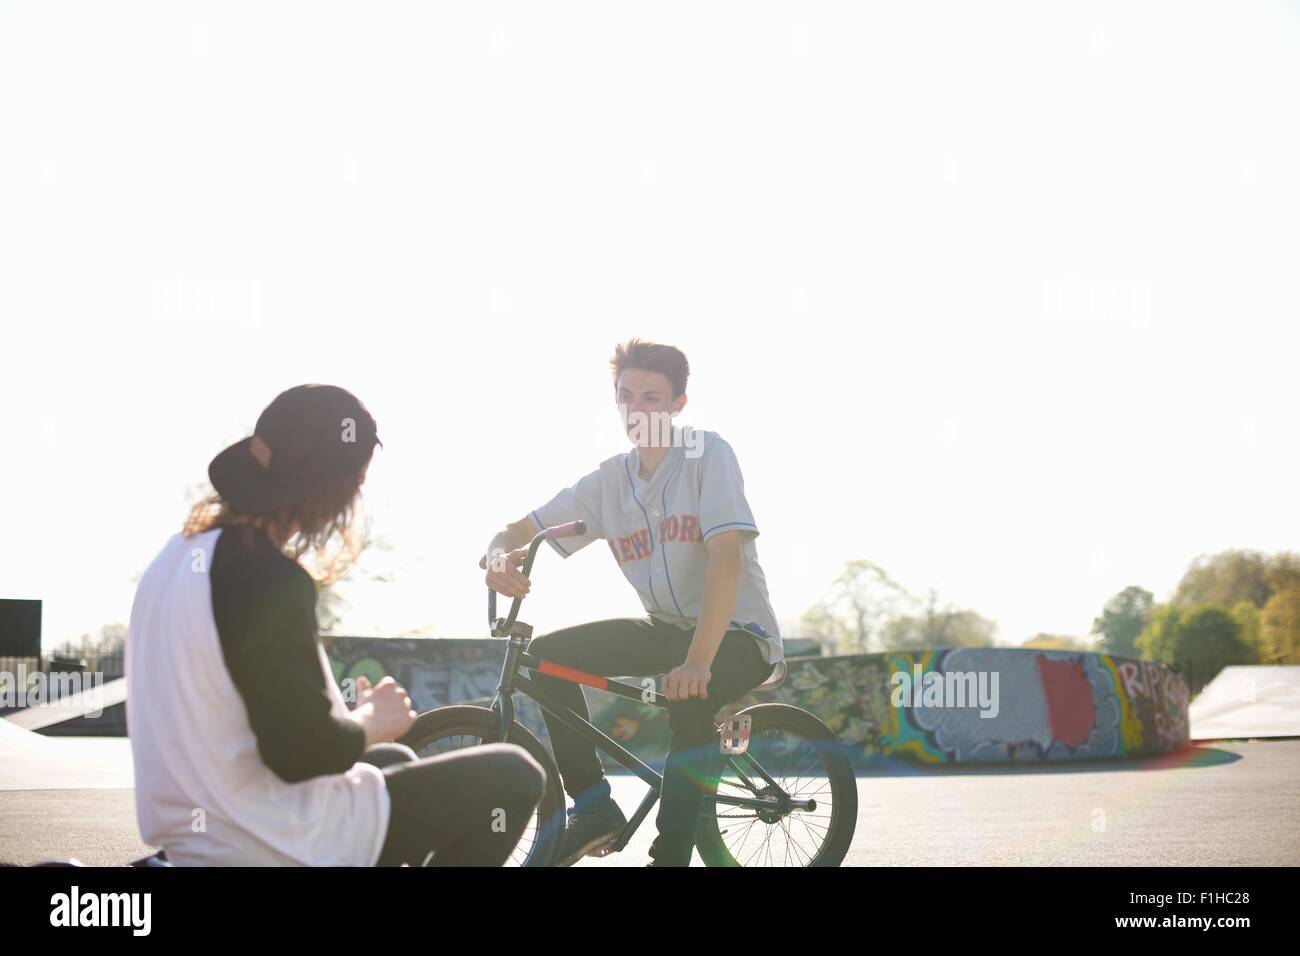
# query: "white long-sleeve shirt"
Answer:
x=243 y=751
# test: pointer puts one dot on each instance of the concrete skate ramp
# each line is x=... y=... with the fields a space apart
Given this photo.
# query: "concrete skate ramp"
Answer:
x=1249 y=701
x=14 y=739
x=90 y=703
x=30 y=761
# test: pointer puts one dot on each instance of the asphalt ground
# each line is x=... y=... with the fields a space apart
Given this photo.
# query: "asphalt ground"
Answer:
x=1215 y=804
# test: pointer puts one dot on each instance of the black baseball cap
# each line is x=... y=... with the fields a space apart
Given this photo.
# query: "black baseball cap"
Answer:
x=307 y=437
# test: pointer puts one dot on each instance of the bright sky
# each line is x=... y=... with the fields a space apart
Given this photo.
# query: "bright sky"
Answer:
x=1001 y=297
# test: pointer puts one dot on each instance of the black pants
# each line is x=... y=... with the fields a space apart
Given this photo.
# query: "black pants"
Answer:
x=467 y=808
x=644 y=647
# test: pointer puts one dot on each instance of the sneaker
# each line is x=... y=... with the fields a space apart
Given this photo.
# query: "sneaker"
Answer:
x=664 y=859
x=590 y=829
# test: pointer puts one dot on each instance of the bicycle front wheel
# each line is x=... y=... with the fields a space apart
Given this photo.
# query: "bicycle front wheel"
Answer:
x=792 y=758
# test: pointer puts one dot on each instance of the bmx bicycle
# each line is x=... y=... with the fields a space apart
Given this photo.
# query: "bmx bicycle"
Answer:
x=780 y=792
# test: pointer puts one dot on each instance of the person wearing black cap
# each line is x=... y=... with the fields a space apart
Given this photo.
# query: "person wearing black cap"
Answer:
x=245 y=751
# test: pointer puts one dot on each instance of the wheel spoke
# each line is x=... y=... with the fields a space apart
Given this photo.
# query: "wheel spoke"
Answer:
x=777 y=835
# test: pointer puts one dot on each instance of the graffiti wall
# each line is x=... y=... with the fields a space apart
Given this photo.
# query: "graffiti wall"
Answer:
x=954 y=705
x=433 y=671
x=994 y=704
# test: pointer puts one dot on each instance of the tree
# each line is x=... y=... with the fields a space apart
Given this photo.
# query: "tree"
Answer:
x=1122 y=619
x=1199 y=642
x=1230 y=577
x=860 y=601
x=1283 y=572
x=111 y=640
x=1250 y=618
x=937 y=626
x=1156 y=641
x=866 y=611
x=1057 y=642
x=1280 y=628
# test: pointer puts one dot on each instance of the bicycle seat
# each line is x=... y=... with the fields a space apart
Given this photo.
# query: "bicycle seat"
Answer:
x=776 y=679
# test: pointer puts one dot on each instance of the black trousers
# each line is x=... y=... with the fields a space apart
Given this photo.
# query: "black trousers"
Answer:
x=467 y=808
x=644 y=647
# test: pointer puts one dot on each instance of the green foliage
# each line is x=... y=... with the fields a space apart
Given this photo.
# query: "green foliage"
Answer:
x=1231 y=577
x=1280 y=628
x=1199 y=642
x=1122 y=620
x=1250 y=619
x=1283 y=572
x=1155 y=643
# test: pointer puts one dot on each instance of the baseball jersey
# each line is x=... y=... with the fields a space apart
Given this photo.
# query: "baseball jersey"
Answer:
x=656 y=530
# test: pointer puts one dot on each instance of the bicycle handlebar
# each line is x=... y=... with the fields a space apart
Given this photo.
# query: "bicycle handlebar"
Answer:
x=570 y=530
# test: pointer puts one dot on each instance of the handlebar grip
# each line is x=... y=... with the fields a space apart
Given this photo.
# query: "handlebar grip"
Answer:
x=573 y=529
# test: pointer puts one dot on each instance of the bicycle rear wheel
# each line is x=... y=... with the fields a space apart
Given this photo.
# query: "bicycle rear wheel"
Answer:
x=791 y=756
x=445 y=729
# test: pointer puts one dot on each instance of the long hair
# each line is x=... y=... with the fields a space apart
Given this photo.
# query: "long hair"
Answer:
x=326 y=526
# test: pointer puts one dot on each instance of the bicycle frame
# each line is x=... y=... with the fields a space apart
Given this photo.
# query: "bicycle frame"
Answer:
x=519 y=634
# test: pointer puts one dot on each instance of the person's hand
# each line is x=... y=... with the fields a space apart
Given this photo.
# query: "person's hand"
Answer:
x=686 y=681
x=504 y=576
x=363 y=688
x=384 y=710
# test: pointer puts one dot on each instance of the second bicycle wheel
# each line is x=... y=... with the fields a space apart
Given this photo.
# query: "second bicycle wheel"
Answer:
x=791 y=756
x=445 y=729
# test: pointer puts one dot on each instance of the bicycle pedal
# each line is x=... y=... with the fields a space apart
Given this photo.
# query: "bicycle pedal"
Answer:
x=735 y=734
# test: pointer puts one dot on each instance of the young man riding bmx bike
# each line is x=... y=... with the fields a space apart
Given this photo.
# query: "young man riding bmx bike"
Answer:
x=674 y=515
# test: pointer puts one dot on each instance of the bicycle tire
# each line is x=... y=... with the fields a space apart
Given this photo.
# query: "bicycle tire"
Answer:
x=711 y=836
